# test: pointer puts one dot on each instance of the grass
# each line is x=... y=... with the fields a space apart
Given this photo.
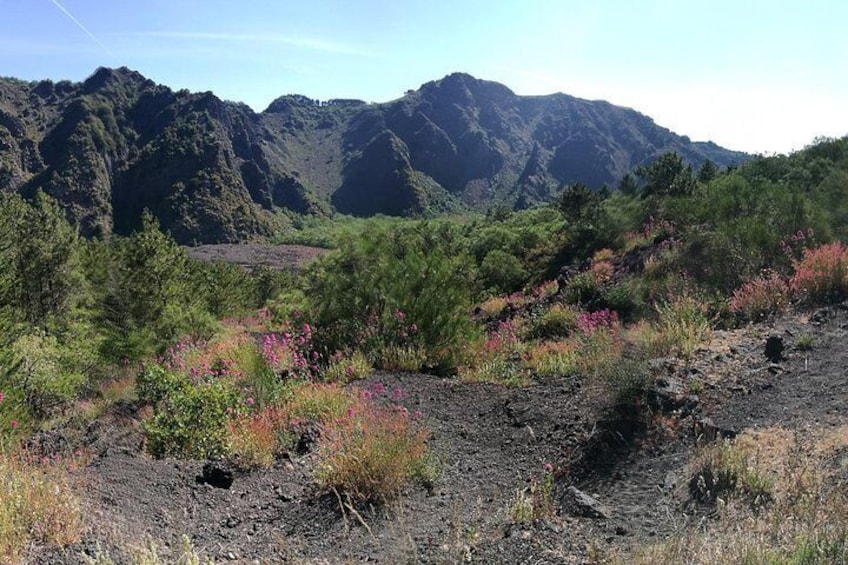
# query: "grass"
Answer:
x=148 y=554
x=804 y=522
x=684 y=324
x=805 y=342
x=535 y=502
x=346 y=368
x=37 y=505
x=372 y=453
x=552 y=359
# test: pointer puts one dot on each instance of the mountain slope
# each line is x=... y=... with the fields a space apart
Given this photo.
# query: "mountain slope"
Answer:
x=210 y=170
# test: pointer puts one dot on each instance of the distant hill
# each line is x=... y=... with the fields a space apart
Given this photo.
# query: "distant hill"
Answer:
x=210 y=170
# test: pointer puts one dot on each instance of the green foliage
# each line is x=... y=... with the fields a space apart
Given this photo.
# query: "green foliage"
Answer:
x=707 y=171
x=558 y=321
x=154 y=384
x=625 y=379
x=502 y=272
x=39 y=281
x=189 y=419
x=667 y=176
x=395 y=287
x=582 y=288
x=684 y=324
x=43 y=375
x=578 y=203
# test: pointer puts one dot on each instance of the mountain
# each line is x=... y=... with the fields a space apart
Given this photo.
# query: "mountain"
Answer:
x=211 y=170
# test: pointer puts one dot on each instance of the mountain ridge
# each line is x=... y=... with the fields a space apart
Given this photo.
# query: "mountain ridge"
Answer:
x=212 y=170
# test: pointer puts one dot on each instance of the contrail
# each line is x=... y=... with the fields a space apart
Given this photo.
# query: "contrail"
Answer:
x=82 y=27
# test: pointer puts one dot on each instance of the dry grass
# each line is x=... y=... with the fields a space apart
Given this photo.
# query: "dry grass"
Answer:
x=806 y=521
x=37 y=505
x=372 y=453
x=148 y=554
x=552 y=359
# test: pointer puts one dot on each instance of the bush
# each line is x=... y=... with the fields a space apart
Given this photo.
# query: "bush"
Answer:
x=319 y=403
x=345 y=368
x=409 y=286
x=623 y=379
x=559 y=321
x=760 y=298
x=372 y=453
x=502 y=272
x=255 y=439
x=42 y=376
x=190 y=419
x=821 y=276
x=582 y=288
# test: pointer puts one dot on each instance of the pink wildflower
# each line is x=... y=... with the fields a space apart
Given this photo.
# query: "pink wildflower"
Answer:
x=14 y=424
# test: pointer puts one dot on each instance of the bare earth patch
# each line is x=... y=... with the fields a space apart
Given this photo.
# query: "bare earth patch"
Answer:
x=250 y=255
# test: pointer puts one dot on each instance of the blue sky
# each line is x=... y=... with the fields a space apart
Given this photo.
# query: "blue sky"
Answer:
x=760 y=76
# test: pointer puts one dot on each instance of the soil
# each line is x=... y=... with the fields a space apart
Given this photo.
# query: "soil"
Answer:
x=491 y=441
x=252 y=255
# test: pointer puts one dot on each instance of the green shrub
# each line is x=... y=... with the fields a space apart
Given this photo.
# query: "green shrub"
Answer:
x=42 y=376
x=154 y=384
x=407 y=287
x=559 y=321
x=501 y=271
x=190 y=421
x=624 y=379
x=582 y=288
x=805 y=342
x=345 y=368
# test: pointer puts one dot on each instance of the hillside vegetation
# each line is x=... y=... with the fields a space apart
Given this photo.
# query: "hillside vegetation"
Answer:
x=117 y=353
x=214 y=171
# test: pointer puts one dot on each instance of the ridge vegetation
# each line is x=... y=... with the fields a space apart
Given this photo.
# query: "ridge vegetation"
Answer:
x=215 y=171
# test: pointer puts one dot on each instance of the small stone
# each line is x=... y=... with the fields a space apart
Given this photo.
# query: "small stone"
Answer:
x=578 y=503
x=774 y=348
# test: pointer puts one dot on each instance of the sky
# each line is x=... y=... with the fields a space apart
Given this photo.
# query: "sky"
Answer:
x=758 y=76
